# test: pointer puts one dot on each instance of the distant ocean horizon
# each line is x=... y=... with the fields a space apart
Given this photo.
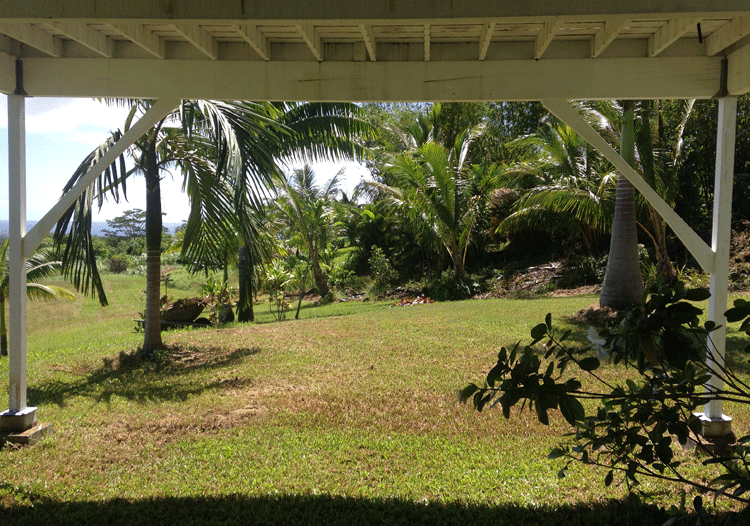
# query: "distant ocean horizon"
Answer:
x=97 y=227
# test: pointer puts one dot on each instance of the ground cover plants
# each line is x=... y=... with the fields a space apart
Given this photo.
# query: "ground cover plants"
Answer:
x=348 y=415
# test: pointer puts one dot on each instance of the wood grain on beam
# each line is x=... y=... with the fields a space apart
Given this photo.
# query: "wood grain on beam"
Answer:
x=643 y=78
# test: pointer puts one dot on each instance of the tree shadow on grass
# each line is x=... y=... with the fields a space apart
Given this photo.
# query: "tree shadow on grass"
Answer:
x=317 y=510
x=127 y=376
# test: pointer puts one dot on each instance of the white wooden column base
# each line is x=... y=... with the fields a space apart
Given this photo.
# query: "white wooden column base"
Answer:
x=17 y=421
x=715 y=427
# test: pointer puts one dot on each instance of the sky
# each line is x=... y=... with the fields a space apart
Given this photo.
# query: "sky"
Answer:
x=59 y=135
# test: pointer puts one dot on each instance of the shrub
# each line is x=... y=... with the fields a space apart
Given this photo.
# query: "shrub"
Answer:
x=450 y=287
x=118 y=264
x=632 y=431
x=383 y=274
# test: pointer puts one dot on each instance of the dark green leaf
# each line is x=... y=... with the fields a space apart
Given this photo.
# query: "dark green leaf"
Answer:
x=539 y=332
x=589 y=364
x=697 y=294
x=571 y=409
x=608 y=479
x=467 y=392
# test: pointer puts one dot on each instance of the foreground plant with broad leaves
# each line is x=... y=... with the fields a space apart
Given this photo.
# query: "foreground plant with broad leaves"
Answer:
x=634 y=429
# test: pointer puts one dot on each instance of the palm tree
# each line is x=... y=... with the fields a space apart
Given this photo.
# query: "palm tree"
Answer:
x=561 y=179
x=623 y=282
x=441 y=193
x=309 y=211
x=41 y=265
x=210 y=143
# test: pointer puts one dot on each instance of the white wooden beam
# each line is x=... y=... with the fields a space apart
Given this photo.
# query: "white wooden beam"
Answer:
x=312 y=39
x=255 y=37
x=427 y=43
x=377 y=81
x=142 y=37
x=720 y=237
x=666 y=35
x=606 y=35
x=544 y=39
x=199 y=38
x=16 y=259
x=154 y=114
x=728 y=34
x=84 y=34
x=738 y=71
x=485 y=39
x=7 y=73
x=34 y=37
x=369 y=37
x=692 y=241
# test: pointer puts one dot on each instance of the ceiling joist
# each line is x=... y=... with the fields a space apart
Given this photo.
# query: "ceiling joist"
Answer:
x=669 y=33
x=545 y=38
x=312 y=38
x=427 y=43
x=485 y=39
x=609 y=31
x=33 y=37
x=255 y=37
x=369 y=37
x=139 y=35
x=728 y=34
x=199 y=38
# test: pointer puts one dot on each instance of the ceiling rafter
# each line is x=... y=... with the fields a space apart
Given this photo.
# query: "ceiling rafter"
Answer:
x=369 y=37
x=312 y=39
x=728 y=34
x=87 y=36
x=545 y=37
x=606 y=35
x=485 y=39
x=427 y=43
x=669 y=33
x=199 y=38
x=255 y=37
x=142 y=37
x=34 y=37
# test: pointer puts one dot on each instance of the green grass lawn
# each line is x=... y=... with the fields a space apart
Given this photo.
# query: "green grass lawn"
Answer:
x=346 y=416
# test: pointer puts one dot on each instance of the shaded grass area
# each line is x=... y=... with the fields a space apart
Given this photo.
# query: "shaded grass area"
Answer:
x=348 y=416
x=323 y=510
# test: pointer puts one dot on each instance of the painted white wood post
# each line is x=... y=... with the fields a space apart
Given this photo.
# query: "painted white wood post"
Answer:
x=715 y=423
x=17 y=263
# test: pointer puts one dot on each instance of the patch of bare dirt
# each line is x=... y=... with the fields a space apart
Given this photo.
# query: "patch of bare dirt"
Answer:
x=597 y=316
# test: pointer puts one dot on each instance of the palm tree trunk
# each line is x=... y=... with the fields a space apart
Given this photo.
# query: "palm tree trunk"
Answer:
x=320 y=279
x=623 y=282
x=152 y=317
x=245 y=311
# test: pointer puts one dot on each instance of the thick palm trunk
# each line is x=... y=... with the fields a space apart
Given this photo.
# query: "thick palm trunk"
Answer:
x=152 y=317
x=320 y=280
x=623 y=282
x=245 y=311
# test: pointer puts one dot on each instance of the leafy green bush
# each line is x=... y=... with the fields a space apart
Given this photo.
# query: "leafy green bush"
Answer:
x=383 y=274
x=345 y=280
x=632 y=431
x=450 y=287
x=118 y=264
x=583 y=270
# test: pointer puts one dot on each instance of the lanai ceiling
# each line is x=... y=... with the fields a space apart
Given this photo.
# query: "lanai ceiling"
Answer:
x=376 y=50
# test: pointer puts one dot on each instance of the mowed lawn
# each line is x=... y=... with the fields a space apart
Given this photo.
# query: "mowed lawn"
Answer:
x=347 y=416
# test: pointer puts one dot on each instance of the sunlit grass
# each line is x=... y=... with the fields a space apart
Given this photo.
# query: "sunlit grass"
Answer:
x=353 y=401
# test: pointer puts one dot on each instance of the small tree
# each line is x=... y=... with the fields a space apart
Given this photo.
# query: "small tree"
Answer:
x=132 y=223
x=632 y=431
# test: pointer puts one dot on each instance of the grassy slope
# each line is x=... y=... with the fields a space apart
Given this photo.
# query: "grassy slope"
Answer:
x=350 y=417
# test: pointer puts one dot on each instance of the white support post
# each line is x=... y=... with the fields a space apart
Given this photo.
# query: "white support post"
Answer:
x=18 y=417
x=715 y=423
